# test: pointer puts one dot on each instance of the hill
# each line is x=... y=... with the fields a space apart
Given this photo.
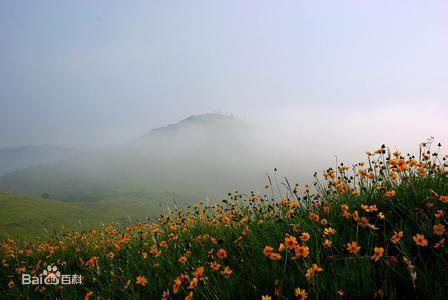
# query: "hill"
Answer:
x=203 y=155
x=12 y=159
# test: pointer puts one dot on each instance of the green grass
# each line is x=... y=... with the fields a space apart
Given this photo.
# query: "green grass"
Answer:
x=27 y=218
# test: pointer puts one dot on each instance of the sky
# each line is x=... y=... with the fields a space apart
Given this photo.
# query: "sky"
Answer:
x=86 y=74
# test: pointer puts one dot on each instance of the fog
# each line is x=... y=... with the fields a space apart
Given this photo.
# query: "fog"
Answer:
x=309 y=84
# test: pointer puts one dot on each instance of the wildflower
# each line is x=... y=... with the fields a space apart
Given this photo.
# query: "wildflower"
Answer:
x=301 y=251
x=378 y=253
x=267 y=250
x=396 y=237
x=193 y=283
x=390 y=194
x=199 y=272
x=92 y=261
x=420 y=240
x=290 y=242
x=312 y=271
x=281 y=247
x=353 y=247
x=340 y=293
x=11 y=284
x=182 y=259
x=439 y=214
x=381 y=216
x=266 y=297
x=190 y=296
x=314 y=217
x=227 y=272
x=327 y=244
x=141 y=280
x=305 y=236
x=443 y=199
x=324 y=222
x=221 y=254
x=215 y=266
x=166 y=295
x=439 y=229
x=329 y=231
x=176 y=285
x=301 y=293
x=275 y=256
x=439 y=244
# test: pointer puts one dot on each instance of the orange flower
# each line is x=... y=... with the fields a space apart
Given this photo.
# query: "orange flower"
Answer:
x=176 y=285
x=227 y=272
x=301 y=294
x=141 y=280
x=444 y=199
x=275 y=256
x=190 y=296
x=267 y=250
x=199 y=272
x=266 y=297
x=215 y=266
x=312 y=271
x=305 y=236
x=193 y=283
x=314 y=217
x=327 y=244
x=378 y=253
x=290 y=242
x=353 y=247
x=420 y=240
x=439 y=229
x=396 y=237
x=182 y=259
x=301 y=251
x=390 y=194
x=92 y=261
x=221 y=254
x=10 y=284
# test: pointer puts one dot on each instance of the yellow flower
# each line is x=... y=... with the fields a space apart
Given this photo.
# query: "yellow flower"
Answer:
x=312 y=271
x=329 y=231
x=378 y=253
x=215 y=266
x=301 y=293
x=327 y=244
x=266 y=297
x=141 y=280
x=439 y=229
x=420 y=240
x=353 y=247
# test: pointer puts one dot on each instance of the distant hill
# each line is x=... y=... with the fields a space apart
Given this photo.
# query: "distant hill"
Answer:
x=203 y=155
x=12 y=159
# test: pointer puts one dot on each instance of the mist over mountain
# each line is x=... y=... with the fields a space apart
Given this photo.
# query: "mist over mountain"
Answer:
x=12 y=159
x=201 y=156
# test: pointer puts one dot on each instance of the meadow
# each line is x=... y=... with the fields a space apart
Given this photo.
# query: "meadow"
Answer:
x=373 y=229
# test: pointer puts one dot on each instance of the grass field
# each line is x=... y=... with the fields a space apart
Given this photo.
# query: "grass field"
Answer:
x=28 y=218
x=374 y=229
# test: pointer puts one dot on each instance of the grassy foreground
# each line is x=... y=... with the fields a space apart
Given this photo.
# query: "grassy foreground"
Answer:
x=372 y=230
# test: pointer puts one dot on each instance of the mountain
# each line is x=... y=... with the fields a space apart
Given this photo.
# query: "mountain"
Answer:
x=12 y=159
x=203 y=155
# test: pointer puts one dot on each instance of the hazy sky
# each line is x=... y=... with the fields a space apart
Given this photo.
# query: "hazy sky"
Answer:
x=89 y=73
